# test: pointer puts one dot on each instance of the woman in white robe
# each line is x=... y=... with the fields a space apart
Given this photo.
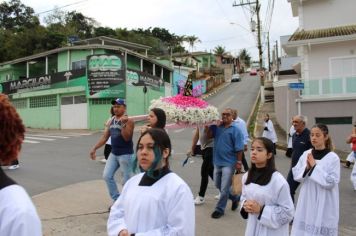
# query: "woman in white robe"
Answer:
x=156 y=202
x=265 y=201
x=318 y=170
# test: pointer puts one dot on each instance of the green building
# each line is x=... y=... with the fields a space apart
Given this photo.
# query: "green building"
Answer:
x=72 y=87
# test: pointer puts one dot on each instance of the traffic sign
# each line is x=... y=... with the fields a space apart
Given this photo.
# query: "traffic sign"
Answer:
x=296 y=86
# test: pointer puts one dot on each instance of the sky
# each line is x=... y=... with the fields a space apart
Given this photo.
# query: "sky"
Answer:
x=214 y=22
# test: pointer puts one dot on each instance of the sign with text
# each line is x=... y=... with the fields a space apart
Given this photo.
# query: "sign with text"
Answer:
x=40 y=82
x=106 y=75
x=296 y=86
x=139 y=78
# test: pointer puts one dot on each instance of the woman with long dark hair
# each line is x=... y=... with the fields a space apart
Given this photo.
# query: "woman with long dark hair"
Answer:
x=265 y=201
x=157 y=201
x=156 y=119
x=318 y=169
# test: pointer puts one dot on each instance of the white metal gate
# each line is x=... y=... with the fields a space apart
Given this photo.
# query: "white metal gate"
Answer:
x=74 y=112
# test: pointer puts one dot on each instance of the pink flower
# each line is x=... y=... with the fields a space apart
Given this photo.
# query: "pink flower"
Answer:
x=186 y=101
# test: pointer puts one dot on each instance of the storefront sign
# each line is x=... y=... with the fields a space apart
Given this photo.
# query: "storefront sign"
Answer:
x=138 y=78
x=40 y=82
x=106 y=74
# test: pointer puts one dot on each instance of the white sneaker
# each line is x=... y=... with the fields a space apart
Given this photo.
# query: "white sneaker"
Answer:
x=199 y=200
x=217 y=197
x=103 y=160
x=13 y=167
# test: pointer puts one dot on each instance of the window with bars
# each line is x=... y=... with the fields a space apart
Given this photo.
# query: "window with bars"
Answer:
x=44 y=101
x=101 y=101
x=19 y=103
x=73 y=100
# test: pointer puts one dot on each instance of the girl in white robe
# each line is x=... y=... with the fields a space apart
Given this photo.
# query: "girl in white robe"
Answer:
x=265 y=201
x=156 y=202
x=318 y=170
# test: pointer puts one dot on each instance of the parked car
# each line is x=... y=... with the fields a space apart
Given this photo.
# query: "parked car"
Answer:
x=253 y=71
x=235 y=78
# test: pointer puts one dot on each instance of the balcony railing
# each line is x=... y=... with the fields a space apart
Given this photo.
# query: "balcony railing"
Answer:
x=329 y=87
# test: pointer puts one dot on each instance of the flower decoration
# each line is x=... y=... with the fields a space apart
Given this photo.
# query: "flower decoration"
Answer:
x=186 y=110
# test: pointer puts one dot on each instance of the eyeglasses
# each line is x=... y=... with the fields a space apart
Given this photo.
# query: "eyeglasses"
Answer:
x=226 y=114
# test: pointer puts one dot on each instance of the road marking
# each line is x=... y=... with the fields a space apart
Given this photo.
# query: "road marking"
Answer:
x=30 y=141
x=48 y=136
x=179 y=130
x=38 y=138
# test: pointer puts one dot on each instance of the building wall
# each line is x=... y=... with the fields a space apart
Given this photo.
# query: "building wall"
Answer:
x=282 y=94
x=319 y=57
x=342 y=108
x=330 y=16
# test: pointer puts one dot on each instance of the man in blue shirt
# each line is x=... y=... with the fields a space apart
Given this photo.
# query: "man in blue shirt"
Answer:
x=120 y=128
x=228 y=148
x=300 y=143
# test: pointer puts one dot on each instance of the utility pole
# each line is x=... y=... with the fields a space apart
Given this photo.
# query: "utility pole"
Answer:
x=277 y=60
x=259 y=45
x=269 y=54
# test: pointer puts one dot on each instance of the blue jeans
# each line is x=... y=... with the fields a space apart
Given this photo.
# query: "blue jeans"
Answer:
x=112 y=165
x=222 y=179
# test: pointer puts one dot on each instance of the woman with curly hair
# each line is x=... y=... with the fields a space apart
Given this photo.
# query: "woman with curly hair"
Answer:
x=17 y=212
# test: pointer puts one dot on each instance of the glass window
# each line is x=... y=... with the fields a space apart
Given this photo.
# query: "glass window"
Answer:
x=80 y=99
x=76 y=65
x=67 y=100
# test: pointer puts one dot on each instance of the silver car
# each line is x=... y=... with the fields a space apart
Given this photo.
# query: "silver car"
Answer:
x=235 y=78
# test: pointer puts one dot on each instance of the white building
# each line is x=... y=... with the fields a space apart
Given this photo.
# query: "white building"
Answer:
x=325 y=42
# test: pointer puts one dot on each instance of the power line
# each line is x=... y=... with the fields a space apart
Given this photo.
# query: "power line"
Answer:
x=68 y=5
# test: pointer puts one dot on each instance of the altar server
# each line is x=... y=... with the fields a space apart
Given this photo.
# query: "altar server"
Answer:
x=157 y=201
x=265 y=200
x=318 y=169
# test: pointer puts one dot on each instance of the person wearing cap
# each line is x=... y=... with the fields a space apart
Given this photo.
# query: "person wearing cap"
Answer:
x=18 y=215
x=120 y=129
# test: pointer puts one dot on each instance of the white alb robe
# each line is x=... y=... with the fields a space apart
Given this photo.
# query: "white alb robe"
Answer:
x=317 y=211
x=270 y=133
x=278 y=207
x=165 y=208
x=18 y=215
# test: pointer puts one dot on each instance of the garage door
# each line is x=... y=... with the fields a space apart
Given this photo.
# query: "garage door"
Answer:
x=74 y=112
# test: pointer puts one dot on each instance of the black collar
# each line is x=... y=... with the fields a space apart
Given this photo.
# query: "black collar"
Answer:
x=5 y=180
x=158 y=174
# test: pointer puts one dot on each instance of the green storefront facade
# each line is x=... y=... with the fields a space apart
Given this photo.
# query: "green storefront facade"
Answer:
x=72 y=87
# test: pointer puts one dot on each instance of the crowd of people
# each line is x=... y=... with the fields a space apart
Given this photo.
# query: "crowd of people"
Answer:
x=156 y=201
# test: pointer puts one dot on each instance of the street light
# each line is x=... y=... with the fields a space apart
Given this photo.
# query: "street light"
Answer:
x=237 y=24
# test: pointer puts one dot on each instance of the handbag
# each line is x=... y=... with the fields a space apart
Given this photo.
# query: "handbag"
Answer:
x=236 y=185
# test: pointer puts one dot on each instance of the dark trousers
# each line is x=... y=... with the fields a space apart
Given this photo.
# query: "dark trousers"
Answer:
x=293 y=185
x=207 y=169
x=107 y=151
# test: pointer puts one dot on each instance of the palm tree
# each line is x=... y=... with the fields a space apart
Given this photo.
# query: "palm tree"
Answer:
x=219 y=50
x=245 y=57
x=192 y=40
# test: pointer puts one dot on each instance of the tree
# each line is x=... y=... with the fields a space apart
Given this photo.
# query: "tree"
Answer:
x=245 y=57
x=192 y=40
x=16 y=16
x=219 y=50
x=80 y=25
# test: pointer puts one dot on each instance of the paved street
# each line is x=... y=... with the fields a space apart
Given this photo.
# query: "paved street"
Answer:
x=72 y=199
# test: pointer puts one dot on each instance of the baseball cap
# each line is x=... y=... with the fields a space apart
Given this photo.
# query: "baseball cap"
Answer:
x=118 y=101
